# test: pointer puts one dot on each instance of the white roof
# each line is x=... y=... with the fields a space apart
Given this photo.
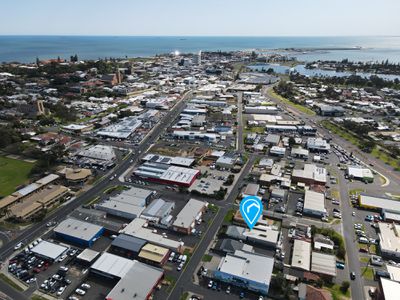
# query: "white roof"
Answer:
x=359 y=172
x=311 y=171
x=101 y=152
x=247 y=265
x=394 y=272
x=121 y=208
x=136 y=229
x=301 y=255
x=389 y=237
x=78 y=229
x=49 y=178
x=188 y=214
x=380 y=202
x=314 y=201
x=111 y=264
x=144 y=277
x=50 y=250
x=390 y=289
x=88 y=255
x=323 y=263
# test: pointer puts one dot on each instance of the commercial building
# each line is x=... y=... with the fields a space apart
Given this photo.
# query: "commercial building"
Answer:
x=301 y=255
x=314 y=204
x=154 y=255
x=158 y=211
x=389 y=240
x=121 y=209
x=318 y=145
x=196 y=135
x=138 y=228
x=188 y=216
x=331 y=111
x=127 y=246
x=272 y=139
x=167 y=174
x=99 y=152
x=87 y=257
x=267 y=110
x=198 y=121
x=323 y=264
x=78 y=232
x=76 y=175
x=388 y=289
x=299 y=153
x=390 y=209
x=310 y=175
x=121 y=130
x=169 y=160
x=138 y=283
x=277 y=151
x=48 y=250
x=281 y=128
x=229 y=246
x=251 y=190
x=227 y=162
x=243 y=269
x=360 y=173
x=111 y=266
x=77 y=129
x=262 y=235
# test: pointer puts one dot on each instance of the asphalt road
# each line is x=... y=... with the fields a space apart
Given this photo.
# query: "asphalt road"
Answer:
x=39 y=228
x=184 y=282
x=239 y=128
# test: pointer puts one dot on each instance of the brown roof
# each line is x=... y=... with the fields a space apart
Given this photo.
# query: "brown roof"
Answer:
x=314 y=293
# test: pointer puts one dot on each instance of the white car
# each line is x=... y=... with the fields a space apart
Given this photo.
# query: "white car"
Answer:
x=85 y=286
x=18 y=246
x=60 y=290
x=80 y=292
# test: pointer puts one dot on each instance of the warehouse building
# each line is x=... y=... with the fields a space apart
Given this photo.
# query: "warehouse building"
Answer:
x=227 y=162
x=242 y=269
x=318 y=145
x=111 y=266
x=277 y=151
x=323 y=264
x=360 y=173
x=78 y=232
x=196 y=135
x=389 y=240
x=188 y=216
x=154 y=255
x=314 y=204
x=121 y=209
x=272 y=139
x=310 y=175
x=169 y=160
x=301 y=255
x=138 y=228
x=99 y=152
x=299 y=153
x=87 y=257
x=167 y=174
x=121 y=130
x=49 y=251
x=388 y=289
x=158 y=211
x=229 y=246
x=127 y=246
x=138 y=283
x=390 y=209
x=261 y=110
x=251 y=190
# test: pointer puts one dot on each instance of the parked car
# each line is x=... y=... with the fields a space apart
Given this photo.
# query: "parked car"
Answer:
x=80 y=292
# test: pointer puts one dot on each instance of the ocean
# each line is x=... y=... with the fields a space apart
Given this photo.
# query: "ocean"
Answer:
x=28 y=48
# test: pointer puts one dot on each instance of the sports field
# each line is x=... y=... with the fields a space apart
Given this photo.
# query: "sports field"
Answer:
x=13 y=172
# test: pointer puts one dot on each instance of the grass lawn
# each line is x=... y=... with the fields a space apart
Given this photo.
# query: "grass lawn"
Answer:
x=13 y=172
x=255 y=129
x=10 y=282
x=171 y=280
x=342 y=133
x=364 y=260
x=206 y=258
x=335 y=194
x=184 y=296
x=299 y=107
x=372 y=249
x=229 y=216
x=367 y=273
x=386 y=158
x=337 y=293
x=355 y=192
x=37 y=297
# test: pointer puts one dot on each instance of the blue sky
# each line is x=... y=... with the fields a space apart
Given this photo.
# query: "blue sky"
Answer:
x=205 y=17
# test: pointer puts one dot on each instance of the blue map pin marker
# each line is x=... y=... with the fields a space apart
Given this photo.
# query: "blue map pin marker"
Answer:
x=251 y=208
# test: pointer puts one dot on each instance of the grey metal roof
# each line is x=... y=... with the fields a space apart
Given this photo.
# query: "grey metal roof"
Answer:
x=78 y=229
x=128 y=242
